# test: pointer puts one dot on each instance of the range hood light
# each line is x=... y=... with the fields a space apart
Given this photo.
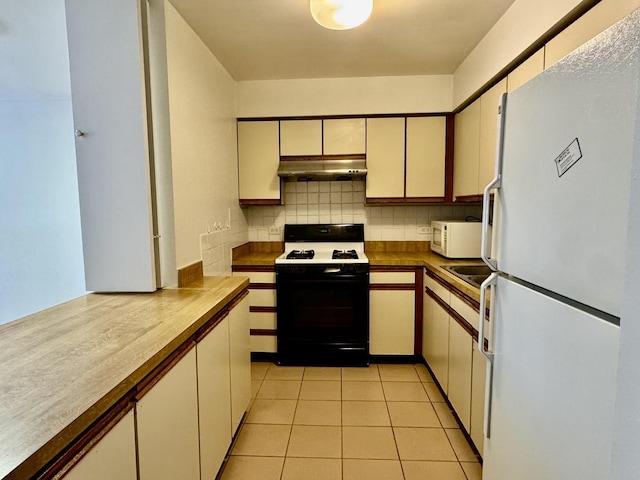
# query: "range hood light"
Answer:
x=341 y=14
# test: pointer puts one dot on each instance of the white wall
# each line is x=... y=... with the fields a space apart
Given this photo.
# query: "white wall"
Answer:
x=343 y=96
x=203 y=143
x=40 y=238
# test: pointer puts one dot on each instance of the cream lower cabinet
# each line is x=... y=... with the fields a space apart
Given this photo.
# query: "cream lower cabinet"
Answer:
x=167 y=420
x=392 y=313
x=262 y=309
x=435 y=340
x=239 y=361
x=214 y=398
x=451 y=352
x=114 y=456
x=478 y=376
x=459 y=389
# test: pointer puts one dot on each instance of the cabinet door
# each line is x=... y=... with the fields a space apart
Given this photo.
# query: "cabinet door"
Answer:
x=436 y=341
x=258 y=158
x=114 y=181
x=385 y=157
x=240 y=361
x=425 y=157
x=214 y=399
x=489 y=133
x=392 y=322
x=114 y=456
x=525 y=72
x=478 y=376
x=167 y=418
x=459 y=392
x=344 y=136
x=301 y=137
x=466 y=151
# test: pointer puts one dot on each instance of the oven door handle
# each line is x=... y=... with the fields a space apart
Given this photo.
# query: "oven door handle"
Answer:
x=332 y=270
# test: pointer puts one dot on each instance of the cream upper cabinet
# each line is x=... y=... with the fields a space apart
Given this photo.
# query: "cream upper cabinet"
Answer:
x=596 y=20
x=258 y=158
x=466 y=151
x=385 y=157
x=300 y=137
x=488 y=133
x=425 y=156
x=344 y=136
x=526 y=71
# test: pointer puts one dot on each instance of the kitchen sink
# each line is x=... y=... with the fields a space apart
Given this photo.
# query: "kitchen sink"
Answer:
x=472 y=274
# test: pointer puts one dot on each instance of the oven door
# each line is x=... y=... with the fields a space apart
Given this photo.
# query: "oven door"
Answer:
x=323 y=318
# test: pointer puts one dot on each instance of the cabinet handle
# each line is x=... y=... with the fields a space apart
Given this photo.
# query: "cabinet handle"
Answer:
x=491 y=281
x=79 y=133
x=495 y=183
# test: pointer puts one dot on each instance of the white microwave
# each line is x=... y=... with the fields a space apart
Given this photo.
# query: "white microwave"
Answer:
x=456 y=239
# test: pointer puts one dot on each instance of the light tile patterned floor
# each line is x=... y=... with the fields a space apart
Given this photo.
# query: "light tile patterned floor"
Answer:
x=386 y=422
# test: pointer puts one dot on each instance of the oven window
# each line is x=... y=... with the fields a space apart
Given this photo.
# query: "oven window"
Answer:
x=324 y=310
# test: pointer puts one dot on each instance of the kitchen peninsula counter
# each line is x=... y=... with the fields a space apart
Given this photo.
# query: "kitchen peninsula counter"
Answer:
x=63 y=368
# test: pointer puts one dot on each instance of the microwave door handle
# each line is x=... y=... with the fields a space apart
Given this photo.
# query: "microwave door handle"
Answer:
x=496 y=183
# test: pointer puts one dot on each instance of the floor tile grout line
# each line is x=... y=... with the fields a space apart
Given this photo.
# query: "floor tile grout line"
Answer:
x=393 y=432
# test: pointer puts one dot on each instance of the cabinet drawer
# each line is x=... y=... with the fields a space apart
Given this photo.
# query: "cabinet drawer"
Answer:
x=264 y=343
x=258 y=277
x=466 y=311
x=438 y=289
x=262 y=320
x=262 y=298
x=402 y=278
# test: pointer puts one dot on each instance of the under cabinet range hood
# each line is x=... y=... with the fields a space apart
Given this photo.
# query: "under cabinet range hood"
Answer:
x=300 y=169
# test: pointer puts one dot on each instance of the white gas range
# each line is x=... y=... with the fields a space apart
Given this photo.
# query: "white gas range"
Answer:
x=322 y=287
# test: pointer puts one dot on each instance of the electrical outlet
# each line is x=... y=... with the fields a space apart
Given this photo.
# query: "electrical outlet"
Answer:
x=424 y=230
x=274 y=230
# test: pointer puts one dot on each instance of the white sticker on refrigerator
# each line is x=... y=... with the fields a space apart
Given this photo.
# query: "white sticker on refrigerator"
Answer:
x=568 y=157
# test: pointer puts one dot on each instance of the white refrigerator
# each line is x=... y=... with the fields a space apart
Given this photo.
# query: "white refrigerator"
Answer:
x=559 y=223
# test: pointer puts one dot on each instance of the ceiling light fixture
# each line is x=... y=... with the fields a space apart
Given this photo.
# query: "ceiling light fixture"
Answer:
x=341 y=14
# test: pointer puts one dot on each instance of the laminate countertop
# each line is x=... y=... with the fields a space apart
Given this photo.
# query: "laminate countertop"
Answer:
x=64 y=367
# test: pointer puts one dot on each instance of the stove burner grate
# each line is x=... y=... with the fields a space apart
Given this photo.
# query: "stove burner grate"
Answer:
x=300 y=255
x=344 y=255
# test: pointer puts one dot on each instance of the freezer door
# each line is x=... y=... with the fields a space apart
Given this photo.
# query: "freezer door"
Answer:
x=553 y=389
x=568 y=142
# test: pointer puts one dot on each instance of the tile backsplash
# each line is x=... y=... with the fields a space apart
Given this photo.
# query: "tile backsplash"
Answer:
x=215 y=246
x=344 y=202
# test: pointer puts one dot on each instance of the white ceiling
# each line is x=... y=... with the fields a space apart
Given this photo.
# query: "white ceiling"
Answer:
x=278 y=39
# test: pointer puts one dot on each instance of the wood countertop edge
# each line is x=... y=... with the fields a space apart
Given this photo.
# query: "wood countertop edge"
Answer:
x=35 y=463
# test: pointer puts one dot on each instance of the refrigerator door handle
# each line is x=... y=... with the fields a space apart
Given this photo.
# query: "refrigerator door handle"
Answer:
x=494 y=184
x=491 y=281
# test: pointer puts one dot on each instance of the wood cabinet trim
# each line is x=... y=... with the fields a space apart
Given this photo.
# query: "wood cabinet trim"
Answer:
x=263 y=332
x=253 y=268
x=258 y=309
x=392 y=286
x=449 y=158
x=262 y=286
x=389 y=268
x=259 y=202
x=461 y=295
